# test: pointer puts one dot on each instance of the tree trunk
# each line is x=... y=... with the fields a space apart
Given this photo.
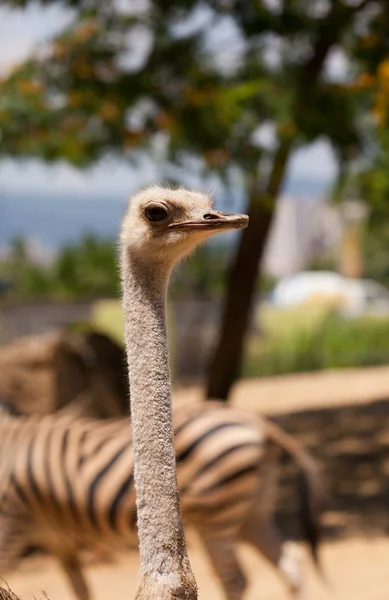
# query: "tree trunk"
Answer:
x=227 y=361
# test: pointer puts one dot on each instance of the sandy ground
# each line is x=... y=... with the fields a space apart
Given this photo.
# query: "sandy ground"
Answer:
x=285 y=393
x=357 y=568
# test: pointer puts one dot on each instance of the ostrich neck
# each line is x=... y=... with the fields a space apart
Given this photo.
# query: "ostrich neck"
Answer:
x=161 y=536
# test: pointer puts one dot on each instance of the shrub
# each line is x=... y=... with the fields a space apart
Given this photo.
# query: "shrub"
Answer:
x=334 y=343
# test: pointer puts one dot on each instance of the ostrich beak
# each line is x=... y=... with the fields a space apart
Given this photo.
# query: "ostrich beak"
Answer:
x=212 y=220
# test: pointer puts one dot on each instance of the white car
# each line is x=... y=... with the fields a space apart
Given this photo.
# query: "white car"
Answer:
x=352 y=297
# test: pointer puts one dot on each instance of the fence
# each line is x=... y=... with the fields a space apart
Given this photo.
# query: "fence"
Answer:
x=34 y=318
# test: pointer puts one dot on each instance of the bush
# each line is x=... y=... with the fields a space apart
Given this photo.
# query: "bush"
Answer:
x=334 y=343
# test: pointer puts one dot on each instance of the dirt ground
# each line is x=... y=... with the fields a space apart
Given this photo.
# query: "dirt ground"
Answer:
x=285 y=393
x=356 y=567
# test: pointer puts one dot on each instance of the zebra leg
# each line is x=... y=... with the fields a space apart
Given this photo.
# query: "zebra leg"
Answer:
x=285 y=556
x=72 y=568
x=221 y=551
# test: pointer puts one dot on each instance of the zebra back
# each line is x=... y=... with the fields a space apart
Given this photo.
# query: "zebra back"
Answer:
x=75 y=476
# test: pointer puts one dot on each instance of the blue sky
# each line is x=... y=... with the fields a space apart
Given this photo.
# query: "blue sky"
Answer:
x=20 y=32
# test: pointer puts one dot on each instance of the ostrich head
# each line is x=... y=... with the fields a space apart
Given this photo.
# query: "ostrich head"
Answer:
x=163 y=225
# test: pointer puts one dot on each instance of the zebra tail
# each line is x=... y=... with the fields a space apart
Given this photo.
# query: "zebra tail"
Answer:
x=312 y=487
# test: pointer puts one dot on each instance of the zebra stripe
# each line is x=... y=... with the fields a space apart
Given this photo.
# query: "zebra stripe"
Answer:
x=80 y=471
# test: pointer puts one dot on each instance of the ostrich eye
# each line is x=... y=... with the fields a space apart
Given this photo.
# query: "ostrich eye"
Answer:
x=156 y=213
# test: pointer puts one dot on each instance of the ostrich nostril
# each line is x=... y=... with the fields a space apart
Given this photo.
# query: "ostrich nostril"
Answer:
x=210 y=216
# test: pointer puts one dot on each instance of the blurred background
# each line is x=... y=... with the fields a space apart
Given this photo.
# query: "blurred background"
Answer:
x=279 y=109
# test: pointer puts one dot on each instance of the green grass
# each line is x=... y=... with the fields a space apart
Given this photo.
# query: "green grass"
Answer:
x=107 y=317
x=274 y=322
x=297 y=341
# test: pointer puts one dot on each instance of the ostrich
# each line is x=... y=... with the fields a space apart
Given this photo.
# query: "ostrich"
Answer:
x=159 y=228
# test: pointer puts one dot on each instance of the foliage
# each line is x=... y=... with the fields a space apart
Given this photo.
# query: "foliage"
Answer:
x=89 y=268
x=84 y=98
x=116 y=79
x=85 y=268
x=373 y=185
x=23 y=275
x=371 y=179
x=333 y=342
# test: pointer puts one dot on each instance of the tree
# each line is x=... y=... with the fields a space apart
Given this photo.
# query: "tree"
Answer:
x=86 y=96
x=23 y=277
x=86 y=268
x=371 y=176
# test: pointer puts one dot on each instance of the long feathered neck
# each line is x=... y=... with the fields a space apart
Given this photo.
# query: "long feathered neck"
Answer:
x=165 y=568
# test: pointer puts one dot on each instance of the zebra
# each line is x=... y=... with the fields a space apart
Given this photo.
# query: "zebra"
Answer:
x=65 y=484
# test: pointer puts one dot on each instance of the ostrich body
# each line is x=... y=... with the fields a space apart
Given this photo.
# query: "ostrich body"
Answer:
x=160 y=227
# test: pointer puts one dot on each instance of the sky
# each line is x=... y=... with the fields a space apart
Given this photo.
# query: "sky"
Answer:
x=20 y=32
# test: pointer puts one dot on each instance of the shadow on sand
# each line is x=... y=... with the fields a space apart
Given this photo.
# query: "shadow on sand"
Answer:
x=352 y=442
